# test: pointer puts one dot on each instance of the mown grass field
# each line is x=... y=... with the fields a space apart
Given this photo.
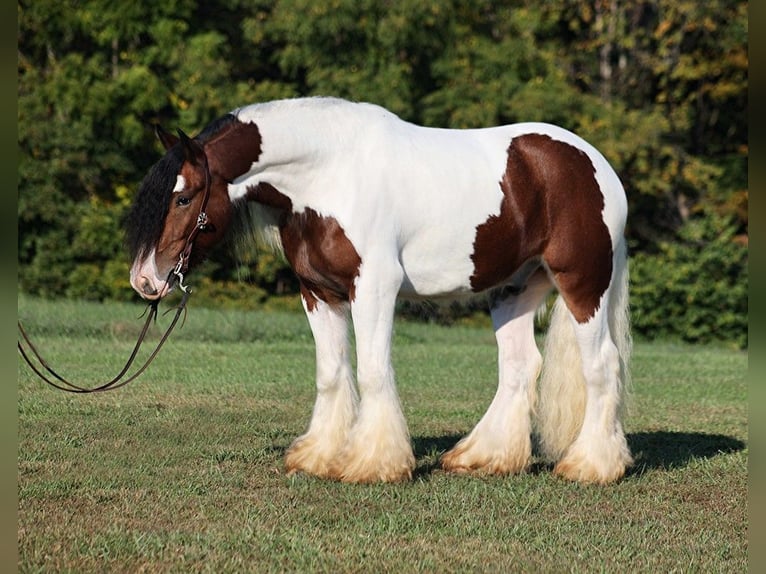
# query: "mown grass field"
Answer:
x=182 y=470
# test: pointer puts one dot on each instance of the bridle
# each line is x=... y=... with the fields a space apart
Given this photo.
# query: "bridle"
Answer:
x=200 y=226
x=50 y=376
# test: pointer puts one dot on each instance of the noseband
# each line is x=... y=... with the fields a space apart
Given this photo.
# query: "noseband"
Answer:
x=50 y=376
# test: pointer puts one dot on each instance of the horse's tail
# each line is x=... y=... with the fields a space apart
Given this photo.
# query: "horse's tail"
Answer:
x=561 y=402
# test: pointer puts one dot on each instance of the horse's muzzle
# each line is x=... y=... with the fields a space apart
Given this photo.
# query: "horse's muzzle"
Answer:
x=149 y=289
x=147 y=282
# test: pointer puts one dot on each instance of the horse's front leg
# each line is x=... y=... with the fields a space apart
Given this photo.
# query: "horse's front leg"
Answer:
x=336 y=401
x=378 y=446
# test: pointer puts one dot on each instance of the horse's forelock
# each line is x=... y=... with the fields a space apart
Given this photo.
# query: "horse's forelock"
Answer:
x=145 y=220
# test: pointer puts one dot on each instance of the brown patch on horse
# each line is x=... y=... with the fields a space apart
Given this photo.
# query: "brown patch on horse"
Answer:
x=266 y=194
x=181 y=220
x=551 y=208
x=317 y=248
x=232 y=151
x=505 y=241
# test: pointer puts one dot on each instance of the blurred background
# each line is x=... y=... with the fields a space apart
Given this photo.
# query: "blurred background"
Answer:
x=660 y=87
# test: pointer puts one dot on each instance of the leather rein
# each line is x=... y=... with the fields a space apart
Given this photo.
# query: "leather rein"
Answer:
x=50 y=376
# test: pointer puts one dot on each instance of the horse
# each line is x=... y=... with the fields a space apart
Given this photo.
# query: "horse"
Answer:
x=367 y=208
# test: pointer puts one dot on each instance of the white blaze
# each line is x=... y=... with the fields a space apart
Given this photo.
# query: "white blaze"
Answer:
x=180 y=184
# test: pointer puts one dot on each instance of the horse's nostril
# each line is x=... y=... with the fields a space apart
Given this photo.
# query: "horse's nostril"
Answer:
x=148 y=288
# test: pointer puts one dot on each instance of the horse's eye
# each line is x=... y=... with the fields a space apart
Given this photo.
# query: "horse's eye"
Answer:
x=181 y=201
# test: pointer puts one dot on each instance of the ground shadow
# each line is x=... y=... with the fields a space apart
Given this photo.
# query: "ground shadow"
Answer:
x=651 y=450
x=427 y=452
x=429 y=449
x=666 y=449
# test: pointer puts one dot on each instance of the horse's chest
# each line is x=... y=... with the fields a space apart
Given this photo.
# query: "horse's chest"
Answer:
x=321 y=255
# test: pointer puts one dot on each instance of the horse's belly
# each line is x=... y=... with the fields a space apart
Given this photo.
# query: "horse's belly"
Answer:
x=437 y=235
x=437 y=266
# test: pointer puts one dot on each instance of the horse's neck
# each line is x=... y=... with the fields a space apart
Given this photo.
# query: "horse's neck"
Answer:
x=298 y=138
x=303 y=129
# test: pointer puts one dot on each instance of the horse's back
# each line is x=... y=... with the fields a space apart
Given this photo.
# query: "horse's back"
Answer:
x=444 y=202
x=456 y=200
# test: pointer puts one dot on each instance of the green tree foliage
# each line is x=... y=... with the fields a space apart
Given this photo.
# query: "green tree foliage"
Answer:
x=660 y=86
x=694 y=289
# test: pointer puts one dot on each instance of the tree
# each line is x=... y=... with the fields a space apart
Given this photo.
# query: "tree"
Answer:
x=659 y=86
x=673 y=77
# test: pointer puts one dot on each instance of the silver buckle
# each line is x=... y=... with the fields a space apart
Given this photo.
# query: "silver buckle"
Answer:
x=177 y=273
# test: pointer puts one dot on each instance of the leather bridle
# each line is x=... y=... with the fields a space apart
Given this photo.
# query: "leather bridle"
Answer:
x=50 y=376
x=200 y=226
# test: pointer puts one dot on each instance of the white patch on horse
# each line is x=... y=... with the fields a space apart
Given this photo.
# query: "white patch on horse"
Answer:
x=180 y=184
x=399 y=157
x=146 y=278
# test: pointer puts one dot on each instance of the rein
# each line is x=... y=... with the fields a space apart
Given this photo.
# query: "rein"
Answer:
x=116 y=382
x=50 y=376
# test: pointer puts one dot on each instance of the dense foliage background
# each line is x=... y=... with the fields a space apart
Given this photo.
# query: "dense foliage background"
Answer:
x=659 y=86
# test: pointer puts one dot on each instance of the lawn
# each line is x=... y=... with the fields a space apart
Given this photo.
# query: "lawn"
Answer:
x=181 y=471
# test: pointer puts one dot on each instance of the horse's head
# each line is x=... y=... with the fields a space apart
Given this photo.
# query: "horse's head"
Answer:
x=181 y=211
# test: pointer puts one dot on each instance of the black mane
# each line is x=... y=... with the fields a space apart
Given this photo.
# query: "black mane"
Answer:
x=214 y=127
x=144 y=222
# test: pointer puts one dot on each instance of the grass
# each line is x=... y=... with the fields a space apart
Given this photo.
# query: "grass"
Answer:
x=181 y=471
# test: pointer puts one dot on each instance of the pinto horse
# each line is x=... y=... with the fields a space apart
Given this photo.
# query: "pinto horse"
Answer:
x=366 y=208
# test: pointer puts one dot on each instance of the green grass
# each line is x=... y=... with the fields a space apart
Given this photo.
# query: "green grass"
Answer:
x=181 y=471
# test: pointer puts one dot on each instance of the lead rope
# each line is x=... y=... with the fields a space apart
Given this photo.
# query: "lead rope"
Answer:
x=117 y=381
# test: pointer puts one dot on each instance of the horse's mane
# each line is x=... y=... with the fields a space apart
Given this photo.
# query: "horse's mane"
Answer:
x=143 y=223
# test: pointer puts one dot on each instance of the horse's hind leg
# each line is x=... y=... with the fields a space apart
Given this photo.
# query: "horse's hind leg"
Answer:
x=578 y=415
x=336 y=401
x=500 y=443
x=599 y=453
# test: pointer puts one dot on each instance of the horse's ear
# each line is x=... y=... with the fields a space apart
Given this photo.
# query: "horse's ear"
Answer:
x=168 y=140
x=193 y=152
